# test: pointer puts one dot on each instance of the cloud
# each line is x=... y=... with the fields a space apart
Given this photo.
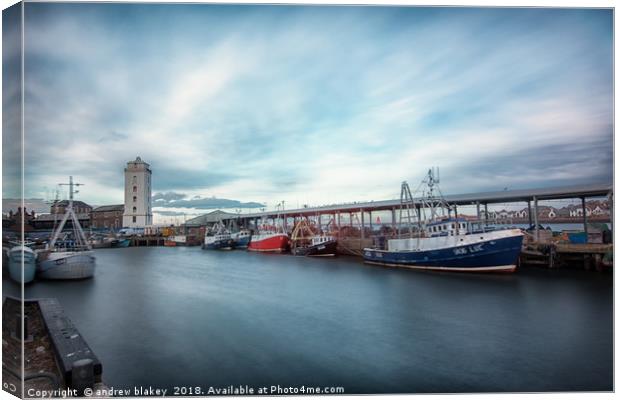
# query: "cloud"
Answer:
x=177 y=200
x=315 y=104
x=168 y=196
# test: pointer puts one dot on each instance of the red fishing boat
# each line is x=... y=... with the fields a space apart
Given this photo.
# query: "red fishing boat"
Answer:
x=270 y=238
x=269 y=241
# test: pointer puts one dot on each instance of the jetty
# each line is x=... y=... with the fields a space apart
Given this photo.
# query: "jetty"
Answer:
x=57 y=360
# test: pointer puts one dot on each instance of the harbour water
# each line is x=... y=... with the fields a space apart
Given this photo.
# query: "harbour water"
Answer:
x=166 y=317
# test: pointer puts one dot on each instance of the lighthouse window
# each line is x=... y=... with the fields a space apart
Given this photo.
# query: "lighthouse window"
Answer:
x=135 y=189
x=135 y=210
x=135 y=199
x=133 y=218
x=134 y=180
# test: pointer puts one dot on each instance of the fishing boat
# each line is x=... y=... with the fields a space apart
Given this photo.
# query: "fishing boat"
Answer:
x=22 y=263
x=218 y=238
x=269 y=241
x=446 y=243
x=100 y=241
x=241 y=239
x=122 y=242
x=270 y=238
x=307 y=240
x=69 y=258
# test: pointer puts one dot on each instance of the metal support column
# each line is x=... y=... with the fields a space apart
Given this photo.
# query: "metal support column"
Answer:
x=478 y=210
x=536 y=218
x=486 y=214
x=370 y=219
x=529 y=212
x=585 y=217
x=362 y=221
x=393 y=219
x=419 y=218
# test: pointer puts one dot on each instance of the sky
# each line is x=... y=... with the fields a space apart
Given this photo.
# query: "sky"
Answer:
x=309 y=104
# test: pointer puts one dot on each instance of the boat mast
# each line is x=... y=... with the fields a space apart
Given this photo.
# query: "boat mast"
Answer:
x=80 y=238
x=406 y=205
x=429 y=199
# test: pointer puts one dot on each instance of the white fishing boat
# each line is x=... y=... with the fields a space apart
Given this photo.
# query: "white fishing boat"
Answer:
x=69 y=258
x=22 y=263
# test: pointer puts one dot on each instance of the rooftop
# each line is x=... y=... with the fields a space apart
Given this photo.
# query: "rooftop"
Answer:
x=116 y=207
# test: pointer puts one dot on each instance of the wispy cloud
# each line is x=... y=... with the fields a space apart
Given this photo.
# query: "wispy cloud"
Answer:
x=316 y=104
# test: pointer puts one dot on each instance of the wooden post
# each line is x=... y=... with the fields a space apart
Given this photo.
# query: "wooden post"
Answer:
x=536 y=218
x=585 y=217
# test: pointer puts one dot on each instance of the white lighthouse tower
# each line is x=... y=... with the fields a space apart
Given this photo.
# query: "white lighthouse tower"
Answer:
x=138 y=212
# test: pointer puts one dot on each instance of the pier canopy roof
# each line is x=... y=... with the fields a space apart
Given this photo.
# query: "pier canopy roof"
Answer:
x=503 y=196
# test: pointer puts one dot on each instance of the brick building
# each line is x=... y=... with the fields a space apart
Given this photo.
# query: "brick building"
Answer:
x=107 y=217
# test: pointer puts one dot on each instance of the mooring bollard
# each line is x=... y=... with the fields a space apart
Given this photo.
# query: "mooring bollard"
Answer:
x=82 y=375
x=19 y=328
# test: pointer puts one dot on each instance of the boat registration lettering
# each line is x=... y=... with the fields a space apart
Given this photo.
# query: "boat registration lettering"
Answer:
x=471 y=249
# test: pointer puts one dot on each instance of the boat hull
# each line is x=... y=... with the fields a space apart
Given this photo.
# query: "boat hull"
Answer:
x=121 y=243
x=80 y=265
x=492 y=255
x=323 y=249
x=219 y=245
x=276 y=243
x=15 y=265
x=242 y=242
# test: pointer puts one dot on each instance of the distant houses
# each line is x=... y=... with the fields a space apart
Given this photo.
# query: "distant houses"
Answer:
x=595 y=209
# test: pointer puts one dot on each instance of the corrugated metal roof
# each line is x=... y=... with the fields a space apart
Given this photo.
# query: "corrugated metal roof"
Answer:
x=211 y=217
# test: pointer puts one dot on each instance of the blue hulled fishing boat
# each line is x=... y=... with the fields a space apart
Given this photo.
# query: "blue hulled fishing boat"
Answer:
x=241 y=239
x=446 y=243
x=218 y=238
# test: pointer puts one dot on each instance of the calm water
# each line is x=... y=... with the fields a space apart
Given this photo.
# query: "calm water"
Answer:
x=184 y=316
